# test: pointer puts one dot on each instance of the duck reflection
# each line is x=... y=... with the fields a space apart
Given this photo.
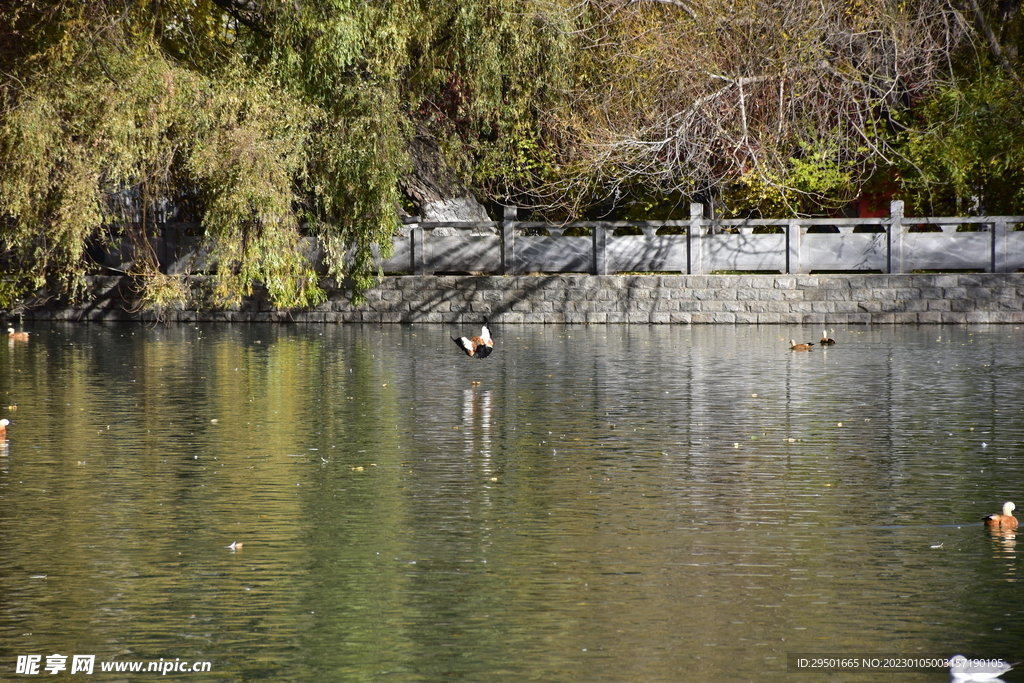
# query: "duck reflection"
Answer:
x=3 y=442
x=1004 y=546
x=476 y=421
x=1004 y=540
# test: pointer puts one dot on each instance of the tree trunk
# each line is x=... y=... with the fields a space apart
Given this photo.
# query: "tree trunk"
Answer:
x=434 y=188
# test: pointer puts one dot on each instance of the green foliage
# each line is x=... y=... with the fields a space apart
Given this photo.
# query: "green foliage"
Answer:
x=264 y=122
x=964 y=147
x=653 y=207
x=268 y=122
x=483 y=77
x=816 y=180
x=94 y=144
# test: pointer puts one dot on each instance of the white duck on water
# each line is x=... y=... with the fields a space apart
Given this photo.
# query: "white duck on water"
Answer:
x=963 y=669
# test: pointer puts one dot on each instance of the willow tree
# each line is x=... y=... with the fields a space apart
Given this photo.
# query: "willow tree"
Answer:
x=103 y=125
x=263 y=121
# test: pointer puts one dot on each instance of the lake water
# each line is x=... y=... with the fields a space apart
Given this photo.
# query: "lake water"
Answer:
x=589 y=503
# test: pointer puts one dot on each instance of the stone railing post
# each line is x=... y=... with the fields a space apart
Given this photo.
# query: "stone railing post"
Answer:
x=417 y=257
x=895 y=233
x=695 y=241
x=600 y=264
x=508 y=240
x=999 y=247
x=793 y=239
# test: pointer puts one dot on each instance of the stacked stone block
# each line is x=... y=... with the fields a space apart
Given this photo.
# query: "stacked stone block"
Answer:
x=954 y=298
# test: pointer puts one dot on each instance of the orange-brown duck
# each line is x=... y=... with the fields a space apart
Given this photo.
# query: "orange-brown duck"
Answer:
x=1005 y=521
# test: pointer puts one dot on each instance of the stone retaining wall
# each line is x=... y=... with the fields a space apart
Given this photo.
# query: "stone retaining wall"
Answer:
x=669 y=299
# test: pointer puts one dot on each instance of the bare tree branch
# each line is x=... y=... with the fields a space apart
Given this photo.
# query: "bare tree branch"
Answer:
x=249 y=13
x=674 y=3
x=695 y=106
x=990 y=37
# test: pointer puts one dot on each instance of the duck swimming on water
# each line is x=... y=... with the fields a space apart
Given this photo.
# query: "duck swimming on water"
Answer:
x=825 y=338
x=477 y=347
x=793 y=346
x=1005 y=521
x=16 y=336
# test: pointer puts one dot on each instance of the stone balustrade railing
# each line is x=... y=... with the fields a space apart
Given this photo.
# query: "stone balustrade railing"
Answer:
x=893 y=244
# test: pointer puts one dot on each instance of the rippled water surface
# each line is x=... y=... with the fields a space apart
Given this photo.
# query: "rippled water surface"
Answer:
x=590 y=503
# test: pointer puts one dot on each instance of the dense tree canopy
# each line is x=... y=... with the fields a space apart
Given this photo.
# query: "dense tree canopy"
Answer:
x=778 y=101
x=267 y=121
x=262 y=121
x=962 y=147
